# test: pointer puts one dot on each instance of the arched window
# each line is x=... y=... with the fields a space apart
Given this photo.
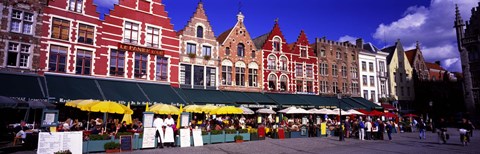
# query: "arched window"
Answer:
x=199 y=31
x=283 y=63
x=283 y=83
x=240 y=50
x=227 y=51
x=272 y=82
x=271 y=62
x=276 y=44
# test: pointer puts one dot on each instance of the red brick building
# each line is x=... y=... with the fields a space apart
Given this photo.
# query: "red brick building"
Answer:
x=240 y=63
x=338 y=67
x=277 y=68
x=198 y=53
x=134 y=41
x=305 y=66
x=20 y=33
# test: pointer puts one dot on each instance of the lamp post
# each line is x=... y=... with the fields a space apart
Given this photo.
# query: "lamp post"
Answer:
x=339 y=97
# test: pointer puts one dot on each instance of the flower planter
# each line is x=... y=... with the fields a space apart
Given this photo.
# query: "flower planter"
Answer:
x=246 y=136
x=253 y=137
x=112 y=150
x=206 y=138
x=238 y=141
x=97 y=145
x=219 y=138
x=287 y=135
x=297 y=134
x=230 y=137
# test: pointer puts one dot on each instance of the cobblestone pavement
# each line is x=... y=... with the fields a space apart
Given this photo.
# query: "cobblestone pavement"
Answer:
x=401 y=143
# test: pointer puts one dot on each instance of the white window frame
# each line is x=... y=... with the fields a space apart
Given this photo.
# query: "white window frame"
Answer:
x=19 y=52
x=22 y=22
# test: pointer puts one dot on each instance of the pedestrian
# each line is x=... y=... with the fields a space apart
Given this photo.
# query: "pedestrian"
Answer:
x=347 y=128
x=169 y=134
x=368 y=126
x=389 y=129
x=472 y=127
x=381 y=129
x=361 y=129
x=414 y=125
x=158 y=124
x=421 y=128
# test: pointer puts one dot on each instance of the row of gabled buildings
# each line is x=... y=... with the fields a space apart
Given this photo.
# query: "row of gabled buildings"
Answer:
x=136 y=42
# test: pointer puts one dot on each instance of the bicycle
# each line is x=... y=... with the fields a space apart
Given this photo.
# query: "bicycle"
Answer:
x=464 y=137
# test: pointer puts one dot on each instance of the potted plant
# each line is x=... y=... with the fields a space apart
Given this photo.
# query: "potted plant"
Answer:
x=63 y=152
x=217 y=136
x=206 y=137
x=192 y=55
x=230 y=135
x=112 y=147
x=207 y=57
x=245 y=134
x=238 y=138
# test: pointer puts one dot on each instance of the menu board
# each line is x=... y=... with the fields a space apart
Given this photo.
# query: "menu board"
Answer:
x=185 y=120
x=323 y=128
x=52 y=142
x=185 y=137
x=197 y=137
x=126 y=142
x=148 y=138
x=147 y=120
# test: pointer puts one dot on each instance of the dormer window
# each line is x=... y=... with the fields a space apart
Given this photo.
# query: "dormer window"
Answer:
x=276 y=44
x=303 y=52
x=199 y=31
x=75 y=5
x=240 y=50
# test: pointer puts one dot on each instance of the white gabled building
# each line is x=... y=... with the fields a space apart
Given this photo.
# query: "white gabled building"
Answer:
x=373 y=72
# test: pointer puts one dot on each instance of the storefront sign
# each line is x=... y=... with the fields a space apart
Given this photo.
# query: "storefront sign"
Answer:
x=128 y=47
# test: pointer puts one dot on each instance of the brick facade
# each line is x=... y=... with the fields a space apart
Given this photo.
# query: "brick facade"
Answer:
x=203 y=59
x=230 y=42
x=306 y=83
x=90 y=43
x=339 y=54
x=20 y=32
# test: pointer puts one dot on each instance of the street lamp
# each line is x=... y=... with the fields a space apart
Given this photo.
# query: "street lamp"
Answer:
x=339 y=97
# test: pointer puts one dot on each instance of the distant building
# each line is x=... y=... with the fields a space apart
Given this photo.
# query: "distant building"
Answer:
x=198 y=53
x=20 y=33
x=438 y=73
x=468 y=40
x=416 y=60
x=400 y=74
x=338 y=65
x=240 y=60
x=373 y=72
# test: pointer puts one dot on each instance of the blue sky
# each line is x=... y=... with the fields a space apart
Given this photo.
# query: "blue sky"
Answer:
x=378 y=21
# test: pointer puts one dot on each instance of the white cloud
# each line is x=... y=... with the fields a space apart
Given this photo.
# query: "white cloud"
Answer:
x=432 y=26
x=349 y=38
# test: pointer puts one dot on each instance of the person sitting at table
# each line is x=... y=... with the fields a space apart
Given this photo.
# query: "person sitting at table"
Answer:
x=21 y=131
x=124 y=127
x=97 y=130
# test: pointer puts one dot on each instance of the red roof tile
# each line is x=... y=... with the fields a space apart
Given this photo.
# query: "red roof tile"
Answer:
x=221 y=38
x=434 y=66
x=411 y=55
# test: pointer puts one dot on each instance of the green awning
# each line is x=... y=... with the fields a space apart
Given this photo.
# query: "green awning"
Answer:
x=289 y=100
x=22 y=86
x=349 y=103
x=366 y=103
x=239 y=97
x=65 y=88
x=201 y=96
x=321 y=102
x=122 y=91
x=158 y=93
x=260 y=98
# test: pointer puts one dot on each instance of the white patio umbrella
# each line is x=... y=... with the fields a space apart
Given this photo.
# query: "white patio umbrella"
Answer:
x=287 y=109
x=326 y=111
x=247 y=110
x=336 y=111
x=355 y=112
x=314 y=111
x=297 y=111
x=266 y=111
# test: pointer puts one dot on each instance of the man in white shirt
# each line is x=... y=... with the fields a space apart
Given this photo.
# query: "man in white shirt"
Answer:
x=158 y=124
x=368 y=125
x=169 y=136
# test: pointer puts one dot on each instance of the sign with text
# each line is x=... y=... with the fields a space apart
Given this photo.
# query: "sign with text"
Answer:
x=50 y=142
x=148 y=140
x=197 y=137
x=126 y=142
x=128 y=47
x=185 y=137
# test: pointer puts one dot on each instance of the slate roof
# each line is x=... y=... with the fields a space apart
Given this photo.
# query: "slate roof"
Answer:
x=222 y=37
x=260 y=40
x=390 y=50
x=370 y=47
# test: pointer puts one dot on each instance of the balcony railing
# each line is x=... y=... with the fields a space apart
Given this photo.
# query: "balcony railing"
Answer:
x=382 y=74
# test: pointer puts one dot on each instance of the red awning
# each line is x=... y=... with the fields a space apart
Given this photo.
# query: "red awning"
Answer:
x=388 y=107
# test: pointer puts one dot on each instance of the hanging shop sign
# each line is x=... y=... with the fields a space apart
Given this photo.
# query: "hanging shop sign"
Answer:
x=129 y=47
